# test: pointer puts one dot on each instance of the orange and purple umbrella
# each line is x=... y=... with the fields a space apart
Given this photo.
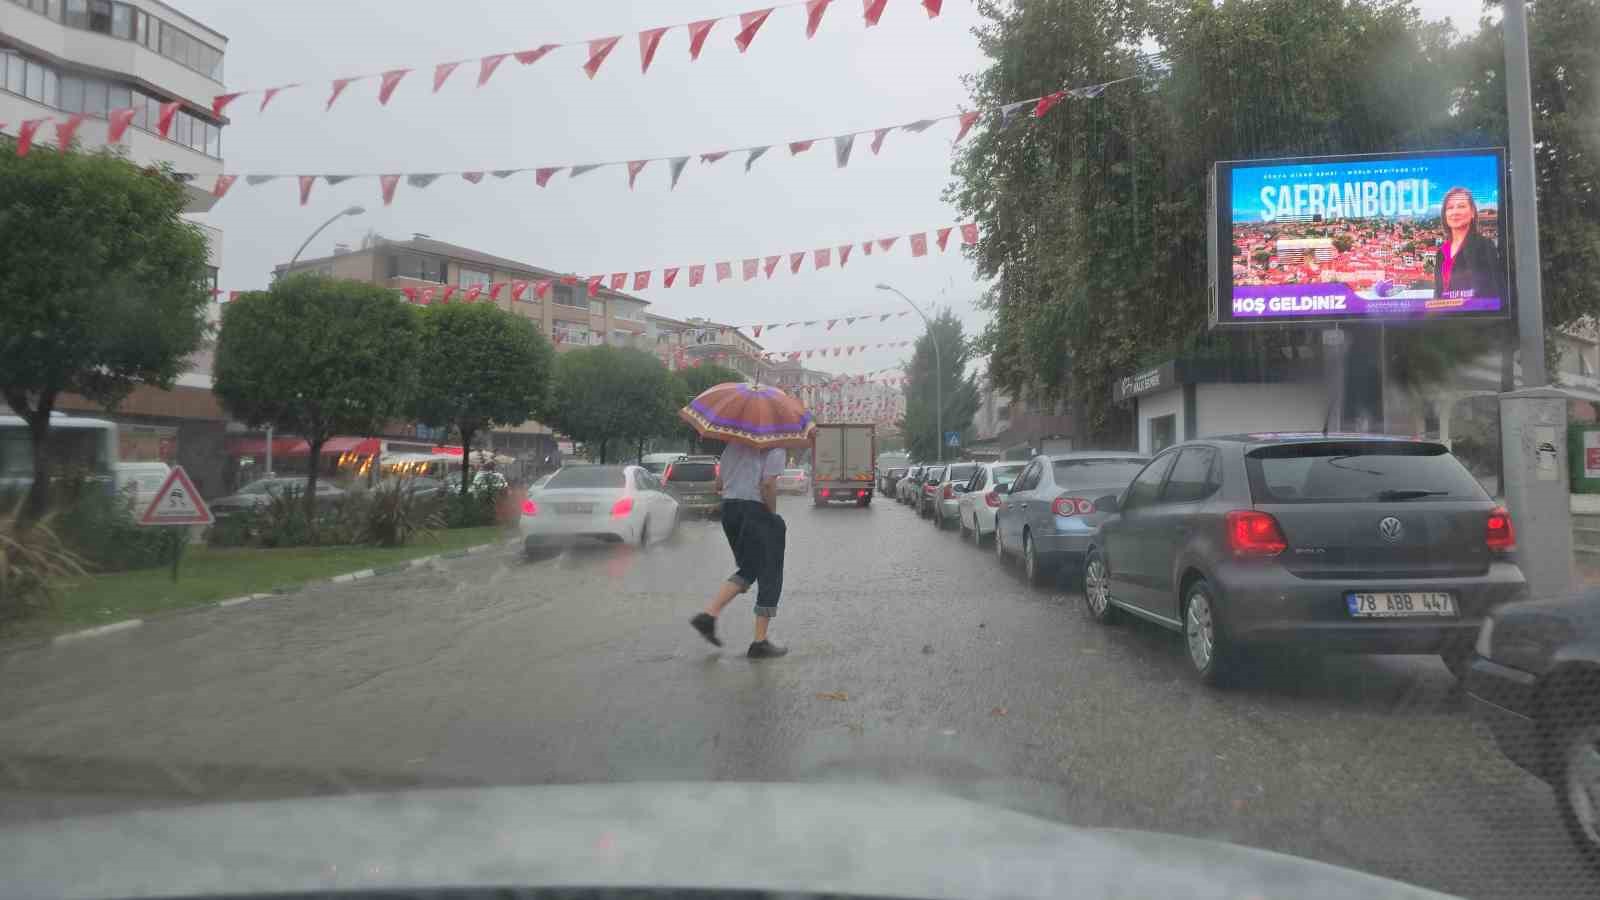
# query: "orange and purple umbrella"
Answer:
x=758 y=415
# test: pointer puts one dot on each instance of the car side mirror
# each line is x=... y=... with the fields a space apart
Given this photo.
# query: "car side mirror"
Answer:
x=1002 y=489
x=1107 y=504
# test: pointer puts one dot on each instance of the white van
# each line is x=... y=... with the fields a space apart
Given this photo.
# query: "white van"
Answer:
x=141 y=480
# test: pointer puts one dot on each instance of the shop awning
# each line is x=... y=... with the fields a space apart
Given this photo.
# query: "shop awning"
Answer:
x=358 y=446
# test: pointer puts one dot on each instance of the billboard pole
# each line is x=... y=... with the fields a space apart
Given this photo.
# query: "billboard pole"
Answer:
x=1533 y=421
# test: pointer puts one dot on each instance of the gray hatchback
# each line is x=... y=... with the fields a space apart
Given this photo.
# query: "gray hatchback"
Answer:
x=1354 y=543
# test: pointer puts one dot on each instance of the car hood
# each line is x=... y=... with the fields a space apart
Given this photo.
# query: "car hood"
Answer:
x=841 y=838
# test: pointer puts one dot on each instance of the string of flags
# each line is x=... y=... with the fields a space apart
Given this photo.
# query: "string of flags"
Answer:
x=597 y=50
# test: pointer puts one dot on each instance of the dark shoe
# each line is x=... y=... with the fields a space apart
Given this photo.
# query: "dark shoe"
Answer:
x=766 y=650
x=706 y=624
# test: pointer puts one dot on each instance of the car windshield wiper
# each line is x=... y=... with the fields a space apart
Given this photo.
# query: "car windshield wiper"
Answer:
x=1409 y=494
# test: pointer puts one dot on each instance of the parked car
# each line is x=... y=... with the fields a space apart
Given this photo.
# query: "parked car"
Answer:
x=259 y=493
x=1535 y=681
x=904 y=489
x=139 y=481
x=1356 y=543
x=946 y=507
x=925 y=488
x=692 y=481
x=656 y=463
x=888 y=479
x=609 y=504
x=1046 y=516
x=794 y=481
x=981 y=500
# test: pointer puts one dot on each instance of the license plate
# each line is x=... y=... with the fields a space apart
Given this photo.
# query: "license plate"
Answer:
x=1395 y=604
x=575 y=508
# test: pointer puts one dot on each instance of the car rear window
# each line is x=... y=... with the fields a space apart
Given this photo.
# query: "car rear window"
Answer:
x=692 y=471
x=1115 y=470
x=897 y=473
x=1006 y=474
x=1362 y=471
x=587 y=477
x=933 y=474
x=961 y=473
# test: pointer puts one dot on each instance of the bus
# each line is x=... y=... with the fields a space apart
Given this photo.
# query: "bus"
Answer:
x=77 y=445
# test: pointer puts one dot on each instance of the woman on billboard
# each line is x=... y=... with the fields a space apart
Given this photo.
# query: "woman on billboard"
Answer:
x=1468 y=264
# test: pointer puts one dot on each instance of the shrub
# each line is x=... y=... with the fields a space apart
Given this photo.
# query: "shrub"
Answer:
x=30 y=558
x=397 y=514
x=237 y=530
x=281 y=522
x=476 y=509
x=101 y=528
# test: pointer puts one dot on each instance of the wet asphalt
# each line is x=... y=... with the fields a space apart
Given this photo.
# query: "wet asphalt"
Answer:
x=916 y=659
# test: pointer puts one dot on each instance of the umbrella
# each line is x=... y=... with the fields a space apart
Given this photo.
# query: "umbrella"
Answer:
x=757 y=415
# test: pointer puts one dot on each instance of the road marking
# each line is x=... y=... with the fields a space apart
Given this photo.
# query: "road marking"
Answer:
x=113 y=628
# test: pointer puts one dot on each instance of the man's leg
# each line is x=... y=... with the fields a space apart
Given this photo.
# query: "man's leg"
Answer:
x=770 y=585
x=744 y=541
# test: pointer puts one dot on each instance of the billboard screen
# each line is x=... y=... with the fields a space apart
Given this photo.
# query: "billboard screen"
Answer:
x=1361 y=238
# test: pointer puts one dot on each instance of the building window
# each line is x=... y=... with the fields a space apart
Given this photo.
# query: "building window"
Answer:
x=472 y=278
x=75 y=13
x=417 y=266
x=567 y=295
x=570 y=333
x=100 y=16
x=96 y=98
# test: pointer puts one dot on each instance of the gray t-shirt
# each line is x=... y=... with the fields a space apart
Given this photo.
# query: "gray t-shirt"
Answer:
x=744 y=468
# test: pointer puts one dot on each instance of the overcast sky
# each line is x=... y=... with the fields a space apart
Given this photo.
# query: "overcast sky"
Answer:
x=846 y=78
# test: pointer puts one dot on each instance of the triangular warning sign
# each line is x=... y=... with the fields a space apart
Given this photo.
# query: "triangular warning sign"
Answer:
x=176 y=503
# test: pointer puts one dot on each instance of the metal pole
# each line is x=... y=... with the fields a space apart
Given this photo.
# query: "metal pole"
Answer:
x=938 y=378
x=1524 y=195
x=352 y=211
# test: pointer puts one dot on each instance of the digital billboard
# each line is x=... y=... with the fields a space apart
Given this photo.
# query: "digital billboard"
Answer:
x=1393 y=236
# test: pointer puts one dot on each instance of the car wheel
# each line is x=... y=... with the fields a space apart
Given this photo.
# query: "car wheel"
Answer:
x=1097 y=590
x=1576 y=758
x=977 y=532
x=961 y=525
x=1036 y=569
x=644 y=534
x=999 y=545
x=1209 y=652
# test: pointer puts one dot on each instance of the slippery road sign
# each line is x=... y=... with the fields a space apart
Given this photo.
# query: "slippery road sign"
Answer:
x=177 y=503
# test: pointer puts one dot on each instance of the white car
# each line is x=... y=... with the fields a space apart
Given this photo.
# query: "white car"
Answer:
x=609 y=504
x=979 y=504
x=794 y=481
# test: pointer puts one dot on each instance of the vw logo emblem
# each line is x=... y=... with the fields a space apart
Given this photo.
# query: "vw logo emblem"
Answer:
x=1391 y=529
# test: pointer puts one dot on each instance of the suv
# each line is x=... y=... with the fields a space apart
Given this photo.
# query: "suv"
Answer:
x=1357 y=543
x=692 y=481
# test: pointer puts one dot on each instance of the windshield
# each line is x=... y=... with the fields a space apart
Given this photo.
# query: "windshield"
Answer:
x=1263 y=337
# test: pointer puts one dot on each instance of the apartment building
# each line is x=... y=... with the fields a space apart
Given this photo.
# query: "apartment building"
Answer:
x=60 y=58
x=682 y=343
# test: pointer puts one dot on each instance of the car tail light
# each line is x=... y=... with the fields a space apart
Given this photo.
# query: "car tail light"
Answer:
x=992 y=500
x=824 y=492
x=622 y=508
x=530 y=508
x=1499 y=533
x=667 y=475
x=861 y=493
x=949 y=491
x=1071 y=506
x=1254 y=533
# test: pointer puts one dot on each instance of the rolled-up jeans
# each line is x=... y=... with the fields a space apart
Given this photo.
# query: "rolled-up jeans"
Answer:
x=757 y=537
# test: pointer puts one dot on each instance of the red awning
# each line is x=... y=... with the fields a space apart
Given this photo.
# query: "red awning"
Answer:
x=358 y=446
x=446 y=451
x=257 y=446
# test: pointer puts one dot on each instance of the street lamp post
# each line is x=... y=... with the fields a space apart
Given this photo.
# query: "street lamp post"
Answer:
x=938 y=375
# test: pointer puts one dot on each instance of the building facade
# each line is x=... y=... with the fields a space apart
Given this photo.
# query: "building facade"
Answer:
x=681 y=343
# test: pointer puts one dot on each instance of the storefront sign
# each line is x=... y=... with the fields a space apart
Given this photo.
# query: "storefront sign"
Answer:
x=1147 y=381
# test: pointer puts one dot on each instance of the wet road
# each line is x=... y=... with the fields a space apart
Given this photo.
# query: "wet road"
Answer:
x=916 y=659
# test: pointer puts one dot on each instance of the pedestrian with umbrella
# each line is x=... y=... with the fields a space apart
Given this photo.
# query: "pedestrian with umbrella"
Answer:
x=757 y=422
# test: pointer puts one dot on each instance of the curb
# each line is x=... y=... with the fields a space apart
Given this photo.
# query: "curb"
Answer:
x=97 y=631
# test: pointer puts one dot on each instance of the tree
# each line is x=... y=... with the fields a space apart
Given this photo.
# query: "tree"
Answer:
x=480 y=367
x=960 y=391
x=105 y=292
x=317 y=357
x=691 y=382
x=606 y=394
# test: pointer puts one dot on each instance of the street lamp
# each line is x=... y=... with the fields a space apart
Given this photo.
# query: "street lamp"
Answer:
x=938 y=380
x=352 y=211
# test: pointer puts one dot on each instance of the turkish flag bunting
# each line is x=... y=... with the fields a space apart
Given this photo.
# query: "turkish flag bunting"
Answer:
x=831 y=323
x=844 y=253
x=649 y=39
x=634 y=168
x=697 y=274
x=224 y=182
x=269 y=93
x=713 y=157
x=164 y=120
x=919 y=244
x=494 y=290
x=410 y=292
x=220 y=102
x=873 y=9
x=487 y=65
x=933 y=7
x=541 y=288
x=795 y=259
x=473 y=292
x=755 y=330
x=814 y=11
x=594 y=285
x=771 y=264
x=1047 y=101
x=619 y=280
x=943 y=237
x=968 y=119
x=25 y=132
x=529 y=57
x=884 y=318
x=697 y=36
x=866 y=247
x=969 y=233
x=798 y=147
x=641 y=280
x=751 y=267
x=391 y=80
x=473 y=177
x=675 y=165
x=749 y=24
x=822 y=257
x=668 y=276
x=518 y=288
x=724 y=271
x=841 y=149
x=448 y=290
x=441 y=72
x=885 y=244
x=66 y=131
x=542 y=176
x=387 y=183
x=120 y=120
x=569 y=279
x=599 y=49
x=339 y=84
x=306 y=181
x=427 y=296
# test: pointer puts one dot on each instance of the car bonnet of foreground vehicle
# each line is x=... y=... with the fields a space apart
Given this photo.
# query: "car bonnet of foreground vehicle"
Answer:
x=848 y=839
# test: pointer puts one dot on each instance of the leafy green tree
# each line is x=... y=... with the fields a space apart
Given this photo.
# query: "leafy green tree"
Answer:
x=317 y=357
x=603 y=395
x=691 y=382
x=960 y=390
x=480 y=367
x=101 y=287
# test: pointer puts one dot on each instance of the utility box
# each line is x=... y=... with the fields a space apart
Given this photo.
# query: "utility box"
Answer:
x=1583 y=451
